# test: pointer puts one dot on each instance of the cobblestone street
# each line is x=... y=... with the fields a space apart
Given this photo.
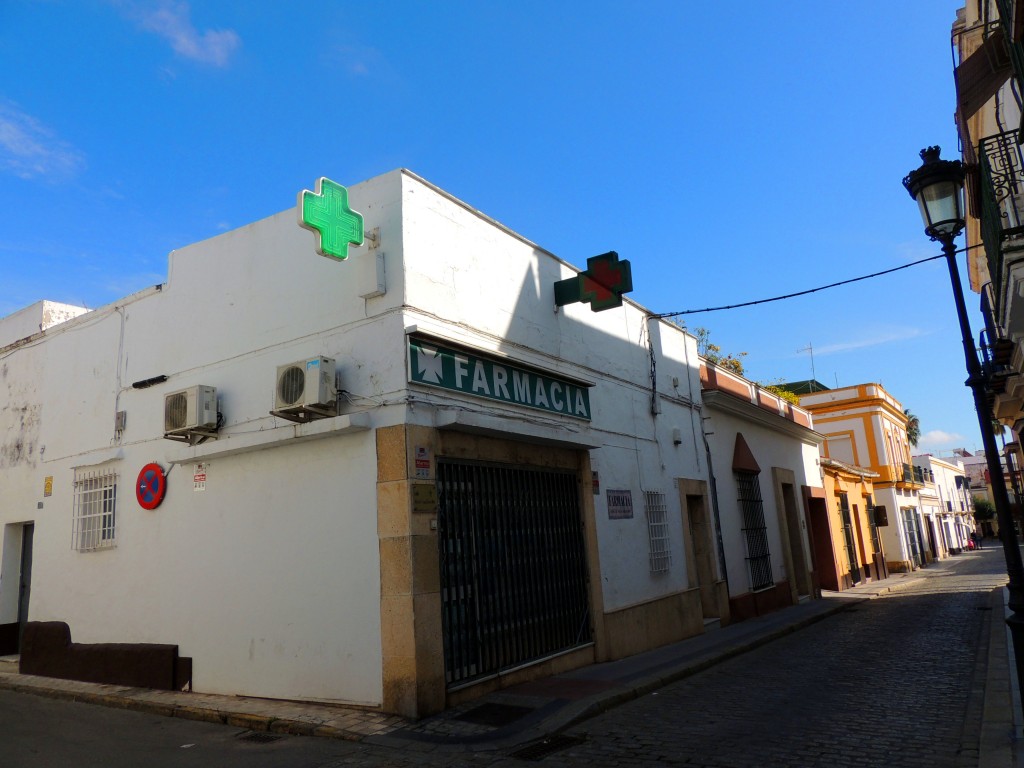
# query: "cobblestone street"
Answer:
x=887 y=682
x=900 y=680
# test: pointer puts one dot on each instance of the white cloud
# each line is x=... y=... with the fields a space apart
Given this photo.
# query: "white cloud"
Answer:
x=874 y=340
x=29 y=149
x=937 y=439
x=171 y=20
x=356 y=60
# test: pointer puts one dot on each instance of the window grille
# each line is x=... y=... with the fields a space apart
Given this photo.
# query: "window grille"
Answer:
x=657 y=531
x=873 y=523
x=851 y=551
x=759 y=558
x=913 y=535
x=95 y=510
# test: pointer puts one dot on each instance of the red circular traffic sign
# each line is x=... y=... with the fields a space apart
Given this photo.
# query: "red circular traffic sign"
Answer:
x=151 y=486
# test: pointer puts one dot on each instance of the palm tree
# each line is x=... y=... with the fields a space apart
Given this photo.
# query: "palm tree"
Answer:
x=913 y=427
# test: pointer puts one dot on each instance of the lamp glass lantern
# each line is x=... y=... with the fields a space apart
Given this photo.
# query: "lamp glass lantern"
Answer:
x=938 y=187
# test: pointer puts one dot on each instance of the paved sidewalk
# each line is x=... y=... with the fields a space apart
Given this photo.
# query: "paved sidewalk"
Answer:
x=297 y=718
x=1001 y=741
x=529 y=713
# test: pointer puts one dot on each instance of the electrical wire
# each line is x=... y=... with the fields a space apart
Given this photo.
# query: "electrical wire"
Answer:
x=810 y=290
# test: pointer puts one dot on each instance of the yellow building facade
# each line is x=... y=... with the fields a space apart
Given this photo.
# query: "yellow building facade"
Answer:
x=865 y=427
x=844 y=533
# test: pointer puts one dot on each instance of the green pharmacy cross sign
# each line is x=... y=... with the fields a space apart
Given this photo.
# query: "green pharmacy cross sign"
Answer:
x=602 y=284
x=325 y=212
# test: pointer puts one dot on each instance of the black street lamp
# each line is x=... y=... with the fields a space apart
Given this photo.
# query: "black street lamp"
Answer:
x=938 y=188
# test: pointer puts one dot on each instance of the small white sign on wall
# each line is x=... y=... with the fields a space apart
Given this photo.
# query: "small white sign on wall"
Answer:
x=422 y=463
x=199 y=477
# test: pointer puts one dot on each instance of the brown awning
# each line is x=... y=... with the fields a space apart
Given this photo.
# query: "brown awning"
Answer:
x=743 y=458
x=981 y=74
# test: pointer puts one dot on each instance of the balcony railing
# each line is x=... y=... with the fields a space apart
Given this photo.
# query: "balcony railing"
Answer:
x=907 y=473
x=1002 y=202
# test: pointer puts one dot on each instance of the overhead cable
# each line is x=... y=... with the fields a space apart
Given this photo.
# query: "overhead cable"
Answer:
x=804 y=293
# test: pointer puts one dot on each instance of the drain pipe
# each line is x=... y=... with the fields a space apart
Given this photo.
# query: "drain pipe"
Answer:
x=714 y=506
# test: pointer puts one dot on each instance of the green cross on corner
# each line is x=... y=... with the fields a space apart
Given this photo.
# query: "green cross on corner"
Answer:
x=601 y=284
x=325 y=212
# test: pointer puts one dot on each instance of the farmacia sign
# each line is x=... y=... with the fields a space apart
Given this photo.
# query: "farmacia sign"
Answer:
x=439 y=366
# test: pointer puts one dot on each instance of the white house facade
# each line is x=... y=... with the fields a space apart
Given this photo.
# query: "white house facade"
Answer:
x=946 y=503
x=764 y=458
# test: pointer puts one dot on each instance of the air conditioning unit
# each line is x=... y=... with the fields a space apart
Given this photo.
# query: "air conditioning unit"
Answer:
x=190 y=410
x=306 y=389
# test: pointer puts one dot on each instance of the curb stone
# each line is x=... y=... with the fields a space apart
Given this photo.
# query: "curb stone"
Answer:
x=200 y=714
x=249 y=722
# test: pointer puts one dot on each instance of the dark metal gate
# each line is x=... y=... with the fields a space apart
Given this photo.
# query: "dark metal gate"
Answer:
x=513 y=567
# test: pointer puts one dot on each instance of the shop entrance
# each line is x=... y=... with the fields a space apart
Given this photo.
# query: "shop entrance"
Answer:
x=513 y=567
x=25 y=581
x=15 y=584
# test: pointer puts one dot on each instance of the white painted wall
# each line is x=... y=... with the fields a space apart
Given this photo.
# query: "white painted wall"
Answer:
x=473 y=281
x=893 y=536
x=269 y=578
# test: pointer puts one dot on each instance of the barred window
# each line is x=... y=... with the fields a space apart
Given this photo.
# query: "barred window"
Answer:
x=873 y=522
x=755 y=532
x=95 y=509
x=657 y=531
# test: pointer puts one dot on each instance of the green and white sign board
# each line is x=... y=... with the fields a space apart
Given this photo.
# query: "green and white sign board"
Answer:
x=460 y=371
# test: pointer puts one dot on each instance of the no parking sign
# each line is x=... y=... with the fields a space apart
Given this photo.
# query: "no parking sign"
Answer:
x=150 y=486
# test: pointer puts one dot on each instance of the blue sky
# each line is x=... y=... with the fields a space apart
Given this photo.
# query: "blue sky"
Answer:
x=731 y=152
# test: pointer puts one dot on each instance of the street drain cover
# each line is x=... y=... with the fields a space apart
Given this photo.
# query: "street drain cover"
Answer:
x=259 y=738
x=541 y=749
x=494 y=714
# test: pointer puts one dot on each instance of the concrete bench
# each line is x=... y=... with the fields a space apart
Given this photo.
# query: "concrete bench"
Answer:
x=47 y=650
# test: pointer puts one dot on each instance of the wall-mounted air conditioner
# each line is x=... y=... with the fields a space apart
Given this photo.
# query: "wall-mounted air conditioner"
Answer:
x=190 y=412
x=306 y=390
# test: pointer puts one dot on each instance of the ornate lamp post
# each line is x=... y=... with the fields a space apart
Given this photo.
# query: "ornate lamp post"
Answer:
x=938 y=188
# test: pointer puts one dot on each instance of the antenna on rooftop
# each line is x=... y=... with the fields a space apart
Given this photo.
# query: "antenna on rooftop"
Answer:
x=809 y=348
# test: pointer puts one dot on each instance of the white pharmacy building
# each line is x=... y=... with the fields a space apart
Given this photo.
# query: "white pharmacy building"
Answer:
x=399 y=479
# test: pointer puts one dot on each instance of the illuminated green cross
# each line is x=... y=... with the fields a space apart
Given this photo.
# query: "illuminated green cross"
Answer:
x=326 y=213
